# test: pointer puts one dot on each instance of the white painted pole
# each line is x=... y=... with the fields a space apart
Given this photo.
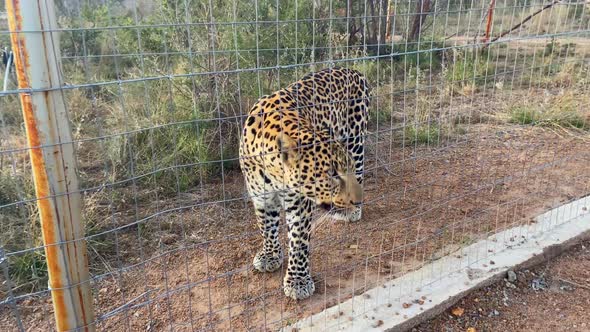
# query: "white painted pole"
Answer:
x=8 y=64
x=37 y=58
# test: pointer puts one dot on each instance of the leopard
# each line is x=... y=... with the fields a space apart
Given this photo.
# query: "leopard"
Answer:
x=301 y=150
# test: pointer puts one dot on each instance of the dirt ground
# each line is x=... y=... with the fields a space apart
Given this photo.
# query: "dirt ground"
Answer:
x=423 y=201
x=554 y=296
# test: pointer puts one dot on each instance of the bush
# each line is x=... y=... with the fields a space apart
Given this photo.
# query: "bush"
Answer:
x=524 y=115
x=28 y=271
x=560 y=114
x=19 y=231
x=16 y=218
x=172 y=142
x=425 y=133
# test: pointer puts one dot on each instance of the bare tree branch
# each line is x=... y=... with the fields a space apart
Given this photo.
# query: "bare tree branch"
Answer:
x=526 y=19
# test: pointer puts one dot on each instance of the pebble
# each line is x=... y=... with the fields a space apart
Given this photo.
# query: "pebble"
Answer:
x=511 y=275
x=539 y=284
x=566 y=288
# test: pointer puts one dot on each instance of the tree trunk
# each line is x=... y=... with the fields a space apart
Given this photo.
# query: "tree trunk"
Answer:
x=422 y=11
x=383 y=21
x=372 y=31
x=352 y=28
x=389 y=21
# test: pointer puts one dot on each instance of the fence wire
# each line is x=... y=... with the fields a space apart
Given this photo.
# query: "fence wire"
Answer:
x=479 y=121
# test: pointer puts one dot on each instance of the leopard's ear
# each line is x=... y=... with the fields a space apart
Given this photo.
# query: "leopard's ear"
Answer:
x=288 y=149
x=340 y=153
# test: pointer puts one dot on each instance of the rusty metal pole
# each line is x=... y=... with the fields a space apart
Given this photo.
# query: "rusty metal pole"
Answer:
x=491 y=9
x=37 y=58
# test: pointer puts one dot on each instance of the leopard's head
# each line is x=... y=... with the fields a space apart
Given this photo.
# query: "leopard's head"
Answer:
x=320 y=169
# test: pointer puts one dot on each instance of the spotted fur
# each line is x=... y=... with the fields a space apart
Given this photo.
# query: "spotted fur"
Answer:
x=302 y=147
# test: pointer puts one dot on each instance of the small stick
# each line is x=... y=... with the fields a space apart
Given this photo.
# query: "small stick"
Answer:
x=451 y=36
x=384 y=165
x=573 y=283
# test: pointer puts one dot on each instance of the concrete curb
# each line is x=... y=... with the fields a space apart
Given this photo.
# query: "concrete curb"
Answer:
x=402 y=303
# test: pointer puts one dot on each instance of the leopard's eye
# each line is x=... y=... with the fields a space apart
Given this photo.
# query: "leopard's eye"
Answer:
x=332 y=173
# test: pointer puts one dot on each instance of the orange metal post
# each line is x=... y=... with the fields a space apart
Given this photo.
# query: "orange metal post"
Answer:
x=37 y=58
x=490 y=20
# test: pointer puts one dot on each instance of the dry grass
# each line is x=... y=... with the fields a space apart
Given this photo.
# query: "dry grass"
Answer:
x=565 y=111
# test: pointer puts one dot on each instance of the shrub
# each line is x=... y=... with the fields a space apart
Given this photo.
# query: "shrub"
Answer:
x=564 y=113
x=424 y=133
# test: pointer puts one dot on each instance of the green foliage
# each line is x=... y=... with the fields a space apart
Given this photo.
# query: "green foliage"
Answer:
x=576 y=10
x=554 y=49
x=11 y=117
x=523 y=115
x=9 y=192
x=551 y=60
x=468 y=68
x=381 y=116
x=177 y=141
x=560 y=115
x=423 y=133
x=28 y=271
x=15 y=217
x=423 y=55
x=105 y=49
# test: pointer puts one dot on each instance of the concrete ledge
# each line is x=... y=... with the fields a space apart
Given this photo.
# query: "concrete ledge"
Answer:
x=402 y=303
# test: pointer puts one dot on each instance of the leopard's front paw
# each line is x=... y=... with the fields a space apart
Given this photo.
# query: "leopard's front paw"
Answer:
x=347 y=215
x=267 y=262
x=298 y=288
x=355 y=215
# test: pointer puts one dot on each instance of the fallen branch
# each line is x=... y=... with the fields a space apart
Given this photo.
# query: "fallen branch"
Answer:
x=451 y=36
x=526 y=19
x=573 y=283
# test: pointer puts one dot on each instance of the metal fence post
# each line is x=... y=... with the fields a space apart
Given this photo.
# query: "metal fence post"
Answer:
x=37 y=57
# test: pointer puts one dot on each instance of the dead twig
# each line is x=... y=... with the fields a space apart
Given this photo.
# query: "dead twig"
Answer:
x=573 y=283
x=451 y=36
x=384 y=165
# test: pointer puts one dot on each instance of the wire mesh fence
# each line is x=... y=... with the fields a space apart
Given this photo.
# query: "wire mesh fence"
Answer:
x=478 y=121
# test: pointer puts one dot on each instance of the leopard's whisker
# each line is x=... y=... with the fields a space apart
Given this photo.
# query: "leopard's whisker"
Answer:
x=320 y=221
